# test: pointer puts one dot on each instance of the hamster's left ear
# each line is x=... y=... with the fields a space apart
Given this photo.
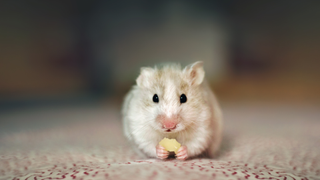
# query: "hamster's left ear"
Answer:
x=194 y=73
x=144 y=79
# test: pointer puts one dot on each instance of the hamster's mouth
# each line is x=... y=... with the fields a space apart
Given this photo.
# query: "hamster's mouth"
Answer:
x=172 y=130
x=168 y=130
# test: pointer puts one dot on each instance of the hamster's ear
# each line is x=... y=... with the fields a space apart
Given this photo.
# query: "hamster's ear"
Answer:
x=144 y=78
x=194 y=73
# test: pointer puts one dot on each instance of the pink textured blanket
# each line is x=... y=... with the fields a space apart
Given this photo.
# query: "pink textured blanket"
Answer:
x=260 y=142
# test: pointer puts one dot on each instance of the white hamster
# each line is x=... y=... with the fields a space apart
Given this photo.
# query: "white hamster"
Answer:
x=175 y=103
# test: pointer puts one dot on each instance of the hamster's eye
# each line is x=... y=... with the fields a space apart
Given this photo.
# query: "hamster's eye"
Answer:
x=155 y=98
x=183 y=98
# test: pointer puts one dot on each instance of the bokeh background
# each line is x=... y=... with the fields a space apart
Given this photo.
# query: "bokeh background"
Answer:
x=65 y=66
x=57 y=53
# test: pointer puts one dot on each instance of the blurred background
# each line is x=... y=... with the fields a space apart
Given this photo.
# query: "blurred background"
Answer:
x=65 y=66
x=79 y=52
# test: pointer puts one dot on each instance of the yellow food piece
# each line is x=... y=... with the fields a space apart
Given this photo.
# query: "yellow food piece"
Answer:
x=171 y=145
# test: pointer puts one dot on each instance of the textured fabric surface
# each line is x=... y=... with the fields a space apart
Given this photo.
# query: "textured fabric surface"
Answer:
x=263 y=141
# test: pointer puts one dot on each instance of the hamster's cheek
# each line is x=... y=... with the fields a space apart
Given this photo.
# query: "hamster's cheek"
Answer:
x=188 y=112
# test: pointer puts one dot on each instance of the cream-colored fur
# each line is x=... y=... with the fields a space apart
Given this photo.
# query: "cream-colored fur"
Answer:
x=200 y=118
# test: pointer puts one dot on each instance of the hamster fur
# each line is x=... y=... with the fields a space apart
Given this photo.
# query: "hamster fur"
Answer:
x=196 y=124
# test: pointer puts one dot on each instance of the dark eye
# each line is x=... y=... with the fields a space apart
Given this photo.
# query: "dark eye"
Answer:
x=155 y=98
x=183 y=98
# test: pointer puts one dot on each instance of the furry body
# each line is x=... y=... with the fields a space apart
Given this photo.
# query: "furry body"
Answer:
x=199 y=120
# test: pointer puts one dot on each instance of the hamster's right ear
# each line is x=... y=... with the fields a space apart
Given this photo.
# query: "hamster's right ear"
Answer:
x=144 y=79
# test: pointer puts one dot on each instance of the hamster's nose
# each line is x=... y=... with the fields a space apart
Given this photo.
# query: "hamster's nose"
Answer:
x=169 y=124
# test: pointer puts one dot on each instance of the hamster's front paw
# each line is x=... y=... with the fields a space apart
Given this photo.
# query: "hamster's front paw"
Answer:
x=182 y=153
x=162 y=153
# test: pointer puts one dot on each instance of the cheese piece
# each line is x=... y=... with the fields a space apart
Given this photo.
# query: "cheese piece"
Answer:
x=170 y=145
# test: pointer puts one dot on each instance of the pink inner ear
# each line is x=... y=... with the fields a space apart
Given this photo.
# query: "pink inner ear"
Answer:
x=193 y=74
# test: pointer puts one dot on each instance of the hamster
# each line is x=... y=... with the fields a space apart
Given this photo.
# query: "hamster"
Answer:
x=174 y=103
